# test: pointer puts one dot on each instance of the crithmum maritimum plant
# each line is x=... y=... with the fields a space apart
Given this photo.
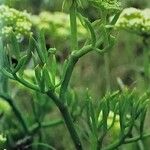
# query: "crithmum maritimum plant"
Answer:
x=123 y=109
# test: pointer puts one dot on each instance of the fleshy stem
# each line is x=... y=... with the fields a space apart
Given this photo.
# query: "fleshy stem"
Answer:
x=16 y=111
x=67 y=118
x=26 y=83
x=52 y=123
x=70 y=66
x=134 y=139
x=72 y=62
x=43 y=145
x=60 y=102
x=73 y=59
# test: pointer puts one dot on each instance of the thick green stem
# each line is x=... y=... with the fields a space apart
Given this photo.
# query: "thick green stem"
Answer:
x=67 y=118
x=73 y=26
x=60 y=102
x=49 y=124
x=69 y=69
x=140 y=143
x=26 y=83
x=134 y=139
x=70 y=66
x=43 y=145
x=16 y=112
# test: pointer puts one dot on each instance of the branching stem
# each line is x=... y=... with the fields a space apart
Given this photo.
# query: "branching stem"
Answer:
x=67 y=118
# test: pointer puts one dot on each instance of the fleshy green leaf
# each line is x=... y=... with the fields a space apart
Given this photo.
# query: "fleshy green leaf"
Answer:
x=20 y=64
x=14 y=45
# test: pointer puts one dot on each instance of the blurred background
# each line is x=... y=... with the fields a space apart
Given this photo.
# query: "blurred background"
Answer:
x=125 y=67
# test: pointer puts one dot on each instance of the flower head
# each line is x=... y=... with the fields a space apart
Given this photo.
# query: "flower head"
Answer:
x=12 y=20
x=110 y=5
x=135 y=20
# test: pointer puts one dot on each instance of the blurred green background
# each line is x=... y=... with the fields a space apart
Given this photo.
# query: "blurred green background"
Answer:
x=126 y=65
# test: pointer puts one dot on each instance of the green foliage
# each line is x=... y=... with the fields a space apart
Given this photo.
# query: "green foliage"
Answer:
x=116 y=111
x=89 y=122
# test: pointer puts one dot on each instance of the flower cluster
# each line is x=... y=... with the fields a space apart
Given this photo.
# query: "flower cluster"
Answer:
x=109 y=5
x=12 y=20
x=135 y=20
x=56 y=24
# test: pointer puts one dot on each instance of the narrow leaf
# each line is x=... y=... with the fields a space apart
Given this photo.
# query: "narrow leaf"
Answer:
x=14 y=45
x=20 y=64
x=48 y=82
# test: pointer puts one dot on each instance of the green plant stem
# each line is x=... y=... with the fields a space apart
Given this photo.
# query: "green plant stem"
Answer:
x=100 y=141
x=43 y=145
x=49 y=124
x=52 y=123
x=140 y=145
x=140 y=142
x=86 y=49
x=25 y=83
x=135 y=139
x=70 y=66
x=67 y=118
x=73 y=26
x=60 y=103
x=16 y=112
